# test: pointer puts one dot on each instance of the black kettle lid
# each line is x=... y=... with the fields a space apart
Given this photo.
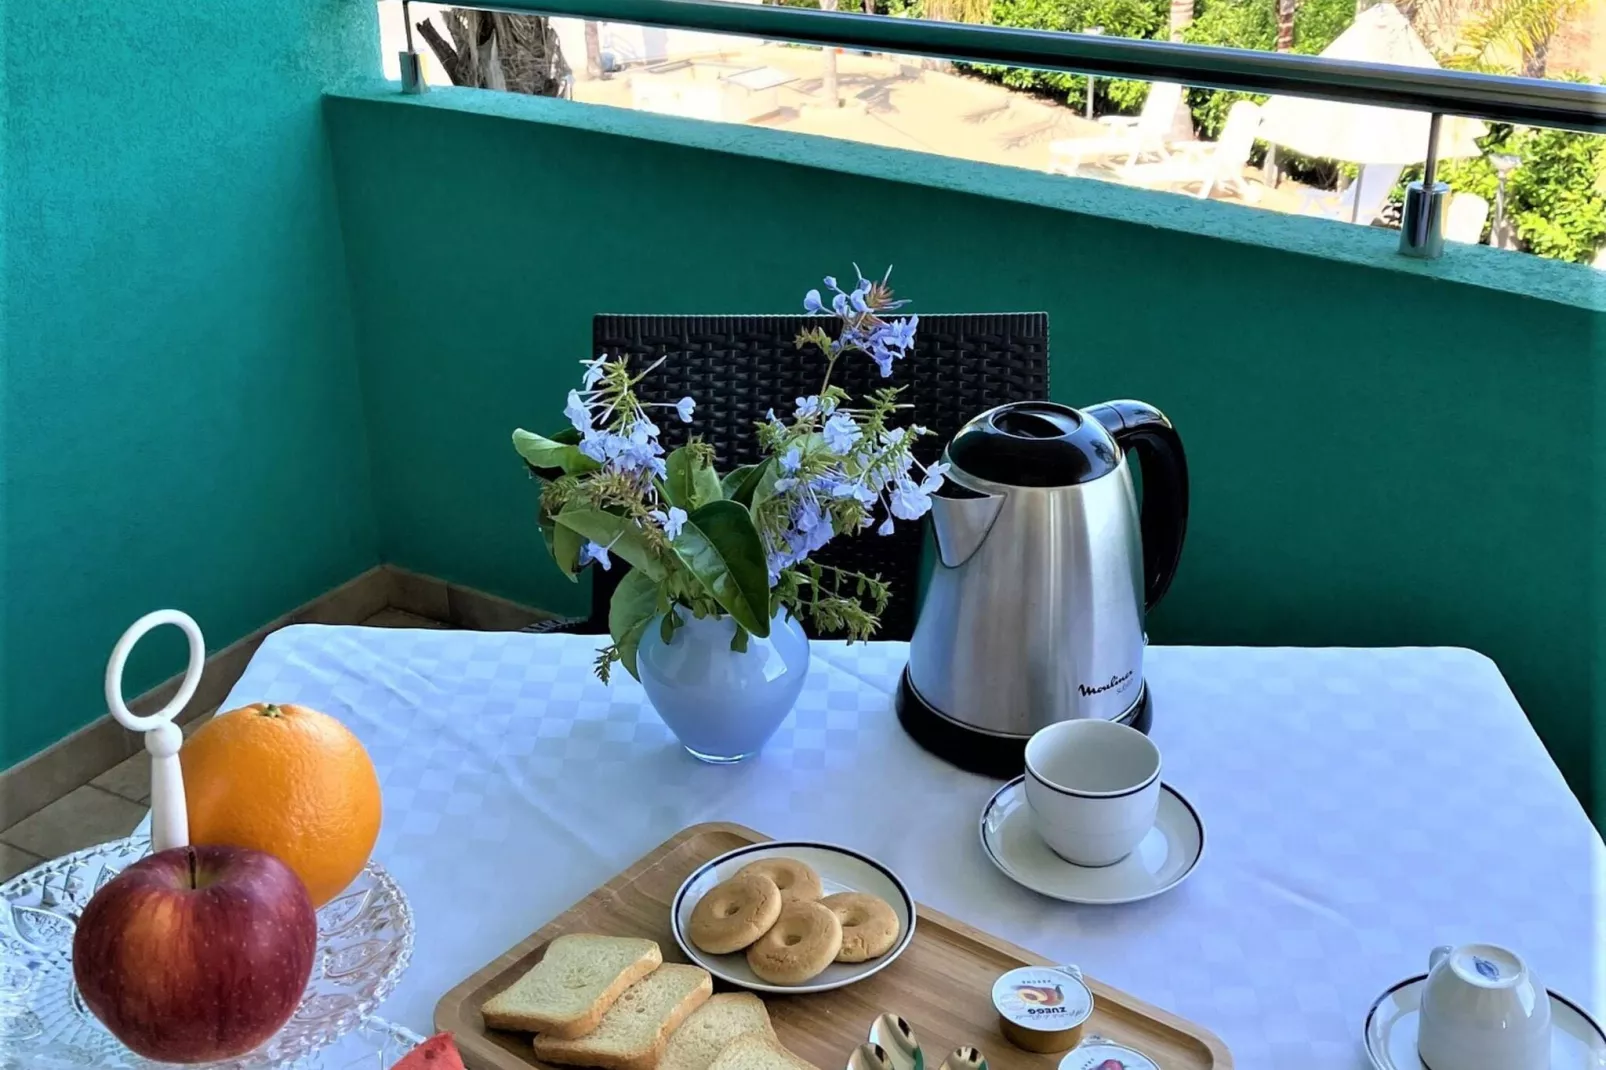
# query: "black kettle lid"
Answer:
x=1034 y=444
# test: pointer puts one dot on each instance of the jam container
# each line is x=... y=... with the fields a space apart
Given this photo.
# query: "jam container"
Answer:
x=1043 y=1008
x=1100 y=1054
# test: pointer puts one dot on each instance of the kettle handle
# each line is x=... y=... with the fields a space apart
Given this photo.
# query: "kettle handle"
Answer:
x=1144 y=428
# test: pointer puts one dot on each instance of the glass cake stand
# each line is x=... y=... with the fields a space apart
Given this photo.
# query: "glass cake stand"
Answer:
x=365 y=939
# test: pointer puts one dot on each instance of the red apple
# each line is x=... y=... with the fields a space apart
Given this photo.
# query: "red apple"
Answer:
x=439 y=1052
x=196 y=953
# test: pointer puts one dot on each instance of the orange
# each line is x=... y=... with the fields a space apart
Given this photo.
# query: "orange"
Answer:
x=289 y=781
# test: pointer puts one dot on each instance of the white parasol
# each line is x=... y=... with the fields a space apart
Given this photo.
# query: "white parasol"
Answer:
x=1362 y=133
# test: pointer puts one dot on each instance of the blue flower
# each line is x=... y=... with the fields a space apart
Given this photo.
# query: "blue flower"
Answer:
x=578 y=412
x=933 y=479
x=683 y=409
x=909 y=502
x=812 y=302
x=809 y=406
x=830 y=282
x=772 y=419
x=594 y=370
x=597 y=445
x=885 y=528
x=590 y=552
x=856 y=299
x=810 y=516
x=906 y=330
x=672 y=521
x=784 y=485
x=839 y=305
x=841 y=432
x=849 y=488
x=791 y=460
x=643 y=431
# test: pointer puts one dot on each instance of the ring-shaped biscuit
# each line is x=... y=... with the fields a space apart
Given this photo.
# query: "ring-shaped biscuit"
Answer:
x=804 y=940
x=734 y=913
x=869 y=925
x=795 y=879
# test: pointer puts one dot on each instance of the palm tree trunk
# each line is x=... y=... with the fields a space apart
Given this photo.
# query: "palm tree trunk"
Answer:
x=593 y=50
x=1535 y=59
x=1285 y=24
x=1181 y=17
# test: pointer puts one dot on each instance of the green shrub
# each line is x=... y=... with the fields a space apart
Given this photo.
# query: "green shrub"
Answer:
x=1555 y=199
x=1252 y=24
x=1120 y=18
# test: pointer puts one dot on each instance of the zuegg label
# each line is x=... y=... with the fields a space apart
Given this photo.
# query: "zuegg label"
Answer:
x=1043 y=997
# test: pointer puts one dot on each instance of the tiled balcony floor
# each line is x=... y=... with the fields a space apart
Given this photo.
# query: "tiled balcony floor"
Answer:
x=115 y=802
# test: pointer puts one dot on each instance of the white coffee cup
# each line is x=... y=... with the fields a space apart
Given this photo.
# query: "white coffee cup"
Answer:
x=1094 y=789
x=1483 y=1009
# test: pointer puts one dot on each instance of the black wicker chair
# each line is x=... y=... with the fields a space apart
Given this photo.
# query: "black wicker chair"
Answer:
x=739 y=367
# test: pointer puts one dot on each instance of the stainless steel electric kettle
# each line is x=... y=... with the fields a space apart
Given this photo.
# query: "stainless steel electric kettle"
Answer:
x=1045 y=569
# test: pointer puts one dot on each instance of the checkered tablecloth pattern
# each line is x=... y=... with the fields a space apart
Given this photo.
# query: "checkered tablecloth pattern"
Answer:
x=1361 y=806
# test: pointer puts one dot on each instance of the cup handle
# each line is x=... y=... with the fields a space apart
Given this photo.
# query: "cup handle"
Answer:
x=1438 y=955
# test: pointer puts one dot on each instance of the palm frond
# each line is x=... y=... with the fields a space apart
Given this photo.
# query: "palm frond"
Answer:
x=1521 y=26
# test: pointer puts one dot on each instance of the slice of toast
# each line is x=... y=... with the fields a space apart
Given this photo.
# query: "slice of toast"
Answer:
x=756 y=1051
x=711 y=1027
x=574 y=984
x=635 y=1031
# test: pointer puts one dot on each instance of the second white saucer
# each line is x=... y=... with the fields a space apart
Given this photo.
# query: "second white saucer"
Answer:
x=1576 y=1042
x=1165 y=858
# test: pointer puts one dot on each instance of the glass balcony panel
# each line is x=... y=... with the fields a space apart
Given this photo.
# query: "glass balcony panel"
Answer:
x=1296 y=155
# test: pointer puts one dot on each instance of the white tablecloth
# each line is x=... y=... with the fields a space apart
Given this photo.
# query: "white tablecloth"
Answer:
x=1361 y=806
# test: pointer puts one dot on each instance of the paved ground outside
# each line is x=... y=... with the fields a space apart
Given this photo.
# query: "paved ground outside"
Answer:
x=895 y=101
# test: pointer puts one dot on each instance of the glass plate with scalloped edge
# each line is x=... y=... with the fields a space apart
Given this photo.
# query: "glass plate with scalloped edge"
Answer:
x=365 y=940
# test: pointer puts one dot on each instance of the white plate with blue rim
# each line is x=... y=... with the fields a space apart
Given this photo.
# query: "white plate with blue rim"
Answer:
x=1164 y=859
x=841 y=870
x=1576 y=1041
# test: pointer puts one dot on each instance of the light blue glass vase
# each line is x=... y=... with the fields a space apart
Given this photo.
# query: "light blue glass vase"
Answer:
x=723 y=705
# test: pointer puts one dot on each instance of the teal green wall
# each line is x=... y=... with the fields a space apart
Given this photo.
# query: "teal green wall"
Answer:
x=183 y=422
x=1382 y=452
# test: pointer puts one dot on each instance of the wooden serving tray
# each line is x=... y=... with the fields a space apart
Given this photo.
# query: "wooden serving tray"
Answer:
x=942 y=983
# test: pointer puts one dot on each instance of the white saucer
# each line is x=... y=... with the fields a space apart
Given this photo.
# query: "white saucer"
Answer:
x=1576 y=1042
x=840 y=870
x=1163 y=860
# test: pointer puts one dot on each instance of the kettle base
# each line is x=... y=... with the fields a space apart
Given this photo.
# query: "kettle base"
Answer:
x=982 y=752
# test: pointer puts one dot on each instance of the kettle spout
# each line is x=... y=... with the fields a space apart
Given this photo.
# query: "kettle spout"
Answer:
x=962 y=517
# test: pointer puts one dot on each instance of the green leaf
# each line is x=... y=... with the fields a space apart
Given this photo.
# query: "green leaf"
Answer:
x=721 y=547
x=561 y=543
x=565 y=546
x=621 y=536
x=690 y=483
x=739 y=640
x=541 y=452
x=764 y=487
x=634 y=605
x=666 y=628
x=740 y=484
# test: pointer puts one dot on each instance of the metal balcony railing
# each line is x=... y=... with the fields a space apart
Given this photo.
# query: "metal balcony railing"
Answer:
x=1527 y=101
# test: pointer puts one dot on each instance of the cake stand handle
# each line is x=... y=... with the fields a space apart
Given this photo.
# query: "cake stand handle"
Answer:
x=170 y=825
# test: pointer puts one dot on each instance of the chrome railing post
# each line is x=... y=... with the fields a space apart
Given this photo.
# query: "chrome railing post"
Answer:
x=1422 y=224
x=412 y=67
